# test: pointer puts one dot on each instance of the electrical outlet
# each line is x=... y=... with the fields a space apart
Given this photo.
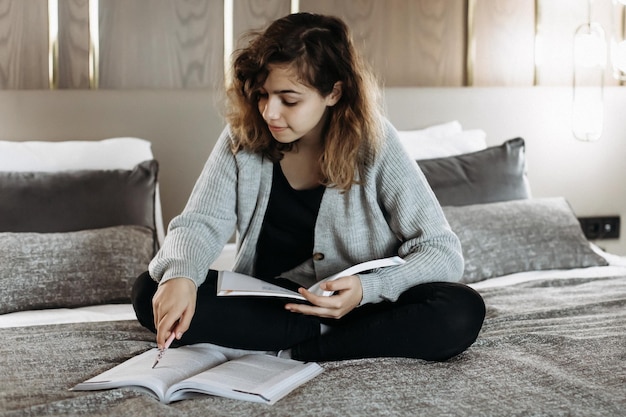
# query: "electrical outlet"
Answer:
x=606 y=227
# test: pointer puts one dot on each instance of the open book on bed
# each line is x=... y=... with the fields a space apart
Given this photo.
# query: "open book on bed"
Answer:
x=234 y=283
x=197 y=369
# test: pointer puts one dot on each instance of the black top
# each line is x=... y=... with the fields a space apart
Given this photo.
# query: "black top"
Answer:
x=287 y=235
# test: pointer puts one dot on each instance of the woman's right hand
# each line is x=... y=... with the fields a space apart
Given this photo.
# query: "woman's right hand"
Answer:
x=173 y=304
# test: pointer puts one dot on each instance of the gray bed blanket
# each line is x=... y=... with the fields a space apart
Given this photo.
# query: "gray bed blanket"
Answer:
x=548 y=348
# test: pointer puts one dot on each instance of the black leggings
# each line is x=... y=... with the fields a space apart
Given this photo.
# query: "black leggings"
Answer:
x=433 y=321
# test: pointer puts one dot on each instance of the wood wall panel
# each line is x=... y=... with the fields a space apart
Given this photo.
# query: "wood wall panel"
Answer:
x=438 y=45
x=180 y=43
x=256 y=15
x=161 y=43
x=383 y=30
x=601 y=12
x=73 y=70
x=555 y=31
x=502 y=34
x=24 y=44
x=364 y=18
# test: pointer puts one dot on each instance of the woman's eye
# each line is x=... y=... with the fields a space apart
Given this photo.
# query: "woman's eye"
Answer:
x=290 y=103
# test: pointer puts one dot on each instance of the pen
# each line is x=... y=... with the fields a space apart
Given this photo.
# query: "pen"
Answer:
x=168 y=342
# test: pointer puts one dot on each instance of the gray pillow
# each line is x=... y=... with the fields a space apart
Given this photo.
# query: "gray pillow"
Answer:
x=68 y=201
x=495 y=174
x=53 y=270
x=517 y=236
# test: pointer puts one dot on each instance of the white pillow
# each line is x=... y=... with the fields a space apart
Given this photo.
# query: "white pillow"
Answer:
x=441 y=130
x=421 y=145
x=113 y=153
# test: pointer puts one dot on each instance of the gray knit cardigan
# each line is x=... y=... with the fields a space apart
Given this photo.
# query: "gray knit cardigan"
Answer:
x=393 y=212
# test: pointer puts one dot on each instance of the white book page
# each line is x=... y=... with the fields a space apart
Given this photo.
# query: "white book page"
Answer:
x=353 y=270
x=176 y=365
x=233 y=283
x=281 y=385
x=251 y=378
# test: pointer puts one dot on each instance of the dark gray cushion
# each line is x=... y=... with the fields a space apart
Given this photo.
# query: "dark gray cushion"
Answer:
x=52 y=270
x=77 y=200
x=497 y=173
x=516 y=236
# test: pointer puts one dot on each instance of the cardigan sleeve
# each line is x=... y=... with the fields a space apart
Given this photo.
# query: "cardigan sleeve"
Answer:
x=196 y=236
x=432 y=251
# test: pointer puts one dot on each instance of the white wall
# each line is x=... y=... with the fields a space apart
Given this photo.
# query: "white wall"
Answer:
x=591 y=175
x=183 y=126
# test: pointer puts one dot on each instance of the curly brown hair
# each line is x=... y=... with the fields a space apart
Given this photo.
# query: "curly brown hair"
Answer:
x=321 y=51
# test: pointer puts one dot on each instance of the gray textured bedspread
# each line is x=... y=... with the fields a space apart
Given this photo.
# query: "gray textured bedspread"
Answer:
x=548 y=348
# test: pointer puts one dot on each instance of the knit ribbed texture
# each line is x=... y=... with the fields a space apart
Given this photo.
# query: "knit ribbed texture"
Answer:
x=394 y=212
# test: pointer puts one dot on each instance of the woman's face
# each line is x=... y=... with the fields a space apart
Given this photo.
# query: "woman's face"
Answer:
x=292 y=110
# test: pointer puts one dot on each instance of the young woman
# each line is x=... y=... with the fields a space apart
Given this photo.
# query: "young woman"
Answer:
x=313 y=180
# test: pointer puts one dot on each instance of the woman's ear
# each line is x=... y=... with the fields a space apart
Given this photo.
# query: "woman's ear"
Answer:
x=335 y=94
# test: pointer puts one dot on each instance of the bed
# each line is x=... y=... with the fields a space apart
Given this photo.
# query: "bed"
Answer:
x=553 y=342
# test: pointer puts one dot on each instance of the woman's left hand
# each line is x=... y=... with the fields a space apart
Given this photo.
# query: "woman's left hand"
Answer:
x=348 y=293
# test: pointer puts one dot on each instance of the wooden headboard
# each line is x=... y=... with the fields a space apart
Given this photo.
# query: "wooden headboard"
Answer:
x=183 y=126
